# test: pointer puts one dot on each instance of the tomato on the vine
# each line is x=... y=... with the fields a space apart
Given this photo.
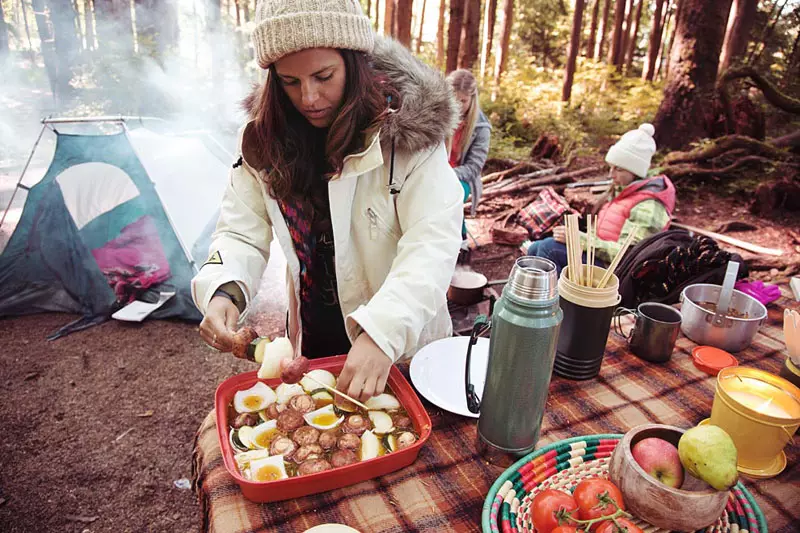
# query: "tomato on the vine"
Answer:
x=587 y=495
x=545 y=508
x=625 y=526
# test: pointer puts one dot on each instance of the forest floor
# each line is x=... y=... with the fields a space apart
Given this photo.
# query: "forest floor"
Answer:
x=98 y=426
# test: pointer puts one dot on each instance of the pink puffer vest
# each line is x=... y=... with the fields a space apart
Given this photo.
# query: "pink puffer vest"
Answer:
x=614 y=214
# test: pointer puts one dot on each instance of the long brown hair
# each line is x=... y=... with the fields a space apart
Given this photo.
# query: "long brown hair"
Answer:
x=463 y=82
x=295 y=153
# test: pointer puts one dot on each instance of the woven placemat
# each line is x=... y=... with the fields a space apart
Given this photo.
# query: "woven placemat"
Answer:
x=563 y=464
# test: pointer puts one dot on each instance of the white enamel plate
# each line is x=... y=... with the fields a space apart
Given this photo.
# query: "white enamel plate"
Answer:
x=437 y=372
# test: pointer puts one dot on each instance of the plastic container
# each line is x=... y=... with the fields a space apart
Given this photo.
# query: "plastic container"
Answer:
x=761 y=412
x=295 y=487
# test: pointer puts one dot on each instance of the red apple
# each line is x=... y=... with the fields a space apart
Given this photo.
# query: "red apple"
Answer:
x=660 y=459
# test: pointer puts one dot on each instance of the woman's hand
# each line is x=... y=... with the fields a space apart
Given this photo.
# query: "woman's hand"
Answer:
x=366 y=370
x=560 y=234
x=219 y=324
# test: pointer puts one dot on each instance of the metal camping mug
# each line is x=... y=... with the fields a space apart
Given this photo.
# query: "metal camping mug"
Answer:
x=654 y=334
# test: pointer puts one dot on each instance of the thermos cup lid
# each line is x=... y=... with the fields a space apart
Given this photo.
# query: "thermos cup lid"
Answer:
x=533 y=278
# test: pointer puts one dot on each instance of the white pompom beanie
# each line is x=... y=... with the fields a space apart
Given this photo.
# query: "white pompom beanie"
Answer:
x=634 y=150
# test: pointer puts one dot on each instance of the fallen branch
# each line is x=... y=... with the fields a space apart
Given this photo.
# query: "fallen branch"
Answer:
x=771 y=92
x=519 y=167
x=683 y=170
x=725 y=144
x=744 y=245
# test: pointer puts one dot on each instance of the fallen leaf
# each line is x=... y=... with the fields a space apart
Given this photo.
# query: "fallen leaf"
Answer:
x=32 y=375
x=81 y=518
x=147 y=413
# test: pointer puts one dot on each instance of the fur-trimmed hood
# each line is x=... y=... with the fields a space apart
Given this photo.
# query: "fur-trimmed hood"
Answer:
x=428 y=113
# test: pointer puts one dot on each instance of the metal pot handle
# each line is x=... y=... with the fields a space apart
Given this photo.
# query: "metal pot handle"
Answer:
x=479 y=327
x=619 y=312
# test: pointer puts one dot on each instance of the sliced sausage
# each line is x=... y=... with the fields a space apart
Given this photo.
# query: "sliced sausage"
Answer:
x=328 y=439
x=405 y=439
x=306 y=435
x=348 y=441
x=274 y=409
x=343 y=458
x=246 y=419
x=241 y=340
x=289 y=420
x=312 y=466
x=401 y=421
x=356 y=424
x=295 y=370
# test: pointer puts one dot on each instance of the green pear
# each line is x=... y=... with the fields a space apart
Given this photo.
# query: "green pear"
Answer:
x=709 y=453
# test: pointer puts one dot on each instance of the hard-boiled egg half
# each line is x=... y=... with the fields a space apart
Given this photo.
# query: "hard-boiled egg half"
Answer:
x=323 y=418
x=263 y=434
x=269 y=469
x=254 y=399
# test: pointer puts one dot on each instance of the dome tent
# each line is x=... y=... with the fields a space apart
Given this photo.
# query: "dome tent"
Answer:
x=116 y=218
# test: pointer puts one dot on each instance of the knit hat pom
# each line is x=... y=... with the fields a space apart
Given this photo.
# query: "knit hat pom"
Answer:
x=648 y=129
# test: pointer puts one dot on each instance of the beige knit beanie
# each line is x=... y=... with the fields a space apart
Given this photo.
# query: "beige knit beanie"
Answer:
x=634 y=150
x=287 y=26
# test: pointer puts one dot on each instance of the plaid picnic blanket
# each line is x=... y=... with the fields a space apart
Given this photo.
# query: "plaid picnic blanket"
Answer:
x=445 y=488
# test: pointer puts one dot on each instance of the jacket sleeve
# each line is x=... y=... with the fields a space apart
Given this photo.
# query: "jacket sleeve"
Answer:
x=429 y=209
x=646 y=218
x=240 y=245
x=472 y=165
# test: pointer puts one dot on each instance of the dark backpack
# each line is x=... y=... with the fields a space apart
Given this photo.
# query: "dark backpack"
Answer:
x=658 y=268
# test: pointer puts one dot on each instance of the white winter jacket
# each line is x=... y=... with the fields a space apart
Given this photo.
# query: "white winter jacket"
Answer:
x=395 y=253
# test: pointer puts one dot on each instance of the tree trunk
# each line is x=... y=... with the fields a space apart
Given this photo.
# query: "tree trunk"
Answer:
x=614 y=50
x=215 y=37
x=246 y=10
x=601 y=41
x=65 y=41
x=114 y=26
x=389 y=16
x=690 y=85
x=634 y=37
x=590 y=43
x=675 y=14
x=3 y=36
x=653 y=50
x=470 y=34
x=156 y=22
x=368 y=11
x=506 y=20
x=488 y=34
x=626 y=35
x=48 y=47
x=454 y=33
x=572 y=51
x=403 y=22
x=440 y=52
x=421 y=26
x=740 y=24
x=766 y=34
x=88 y=23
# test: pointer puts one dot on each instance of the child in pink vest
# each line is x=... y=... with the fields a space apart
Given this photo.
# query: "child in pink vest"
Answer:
x=642 y=207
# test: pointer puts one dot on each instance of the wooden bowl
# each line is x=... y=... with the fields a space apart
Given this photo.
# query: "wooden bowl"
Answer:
x=694 y=506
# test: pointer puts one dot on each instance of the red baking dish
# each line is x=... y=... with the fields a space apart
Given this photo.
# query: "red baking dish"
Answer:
x=285 y=489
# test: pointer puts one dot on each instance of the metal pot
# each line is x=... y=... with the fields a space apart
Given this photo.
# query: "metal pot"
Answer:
x=466 y=287
x=730 y=334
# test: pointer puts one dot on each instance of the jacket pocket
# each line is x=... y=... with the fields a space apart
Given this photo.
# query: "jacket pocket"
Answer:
x=378 y=225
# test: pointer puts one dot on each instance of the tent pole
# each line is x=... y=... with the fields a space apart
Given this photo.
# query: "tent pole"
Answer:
x=79 y=120
x=163 y=206
x=22 y=175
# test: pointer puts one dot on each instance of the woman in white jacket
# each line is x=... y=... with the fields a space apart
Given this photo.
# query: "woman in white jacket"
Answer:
x=344 y=160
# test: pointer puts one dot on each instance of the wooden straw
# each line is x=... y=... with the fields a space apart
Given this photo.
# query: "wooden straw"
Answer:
x=337 y=391
x=589 y=243
x=615 y=262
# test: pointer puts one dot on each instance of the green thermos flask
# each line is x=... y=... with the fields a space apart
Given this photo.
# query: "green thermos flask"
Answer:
x=524 y=333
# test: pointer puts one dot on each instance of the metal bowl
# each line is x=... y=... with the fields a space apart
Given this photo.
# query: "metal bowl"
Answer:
x=732 y=334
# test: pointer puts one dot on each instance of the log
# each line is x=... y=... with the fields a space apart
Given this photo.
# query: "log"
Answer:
x=771 y=93
x=679 y=171
x=725 y=144
x=744 y=245
x=519 y=167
